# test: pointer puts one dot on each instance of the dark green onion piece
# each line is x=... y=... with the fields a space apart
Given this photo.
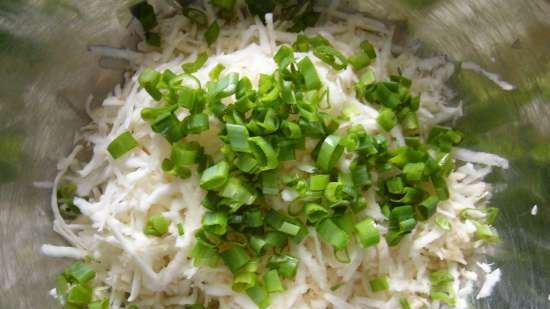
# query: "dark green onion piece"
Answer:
x=79 y=272
x=193 y=67
x=235 y=258
x=195 y=15
x=284 y=57
x=291 y=129
x=197 y=123
x=330 y=152
x=153 y=39
x=215 y=176
x=121 y=145
x=265 y=153
x=145 y=13
x=157 y=225
x=367 y=233
x=309 y=73
x=259 y=296
x=212 y=33
x=379 y=284
x=272 y=281
x=332 y=234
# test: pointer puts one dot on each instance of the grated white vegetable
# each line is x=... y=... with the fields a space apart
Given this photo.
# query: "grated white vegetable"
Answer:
x=158 y=273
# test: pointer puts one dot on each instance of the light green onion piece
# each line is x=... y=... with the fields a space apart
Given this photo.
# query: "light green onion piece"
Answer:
x=238 y=137
x=387 y=119
x=286 y=265
x=215 y=222
x=428 y=207
x=265 y=153
x=395 y=185
x=308 y=71
x=330 y=152
x=291 y=130
x=332 y=234
x=259 y=296
x=318 y=182
x=157 y=225
x=443 y=223
x=243 y=281
x=333 y=191
x=367 y=233
x=331 y=56
x=216 y=71
x=486 y=232
x=236 y=191
x=215 y=176
x=192 y=67
x=270 y=184
x=79 y=295
x=404 y=303
x=149 y=79
x=442 y=289
x=185 y=154
x=212 y=33
x=121 y=145
x=379 y=284
x=284 y=57
x=414 y=171
x=197 y=123
x=181 y=230
x=204 y=254
x=100 y=304
x=315 y=212
x=272 y=281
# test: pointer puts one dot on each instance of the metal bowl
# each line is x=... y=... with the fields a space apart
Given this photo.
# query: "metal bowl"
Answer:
x=46 y=75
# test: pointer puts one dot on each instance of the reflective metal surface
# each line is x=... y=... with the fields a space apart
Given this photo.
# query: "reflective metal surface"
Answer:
x=46 y=75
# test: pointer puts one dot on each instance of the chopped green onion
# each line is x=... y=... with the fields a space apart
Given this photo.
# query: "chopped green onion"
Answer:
x=318 y=182
x=486 y=232
x=291 y=130
x=79 y=272
x=181 y=230
x=270 y=184
x=315 y=212
x=216 y=71
x=264 y=152
x=404 y=303
x=440 y=186
x=157 y=225
x=442 y=289
x=387 y=119
x=428 y=207
x=395 y=185
x=331 y=56
x=100 y=304
x=272 y=281
x=284 y=57
x=238 y=193
x=253 y=218
x=367 y=233
x=215 y=222
x=443 y=223
x=238 y=137
x=204 y=254
x=259 y=296
x=121 y=145
x=185 y=154
x=332 y=234
x=309 y=73
x=243 y=281
x=414 y=171
x=192 y=67
x=145 y=13
x=215 y=176
x=79 y=295
x=235 y=258
x=333 y=191
x=330 y=152
x=195 y=15
x=257 y=244
x=286 y=265
x=224 y=86
x=149 y=79
x=487 y=215
x=379 y=284
x=212 y=33
x=197 y=123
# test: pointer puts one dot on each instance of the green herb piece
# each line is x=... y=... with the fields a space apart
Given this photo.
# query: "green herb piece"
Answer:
x=379 y=284
x=367 y=233
x=212 y=33
x=192 y=67
x=272 y=281
x=333 y=234
x=121 y=145
x=157 y=225
x=309 y=73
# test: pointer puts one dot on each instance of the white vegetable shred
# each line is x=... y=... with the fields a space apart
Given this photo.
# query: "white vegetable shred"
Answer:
x=154 y=272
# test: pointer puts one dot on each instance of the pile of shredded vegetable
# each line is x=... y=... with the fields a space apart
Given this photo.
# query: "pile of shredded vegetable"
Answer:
x=264 y=163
